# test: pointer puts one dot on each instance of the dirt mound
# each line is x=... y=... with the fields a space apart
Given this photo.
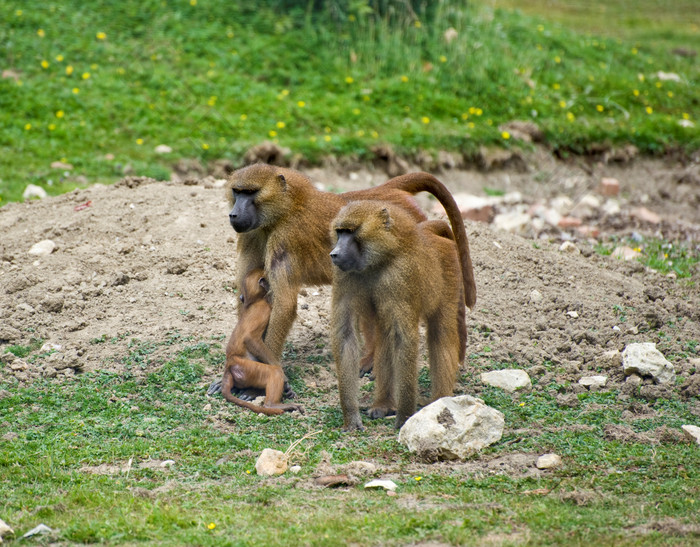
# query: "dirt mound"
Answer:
x=151 y=260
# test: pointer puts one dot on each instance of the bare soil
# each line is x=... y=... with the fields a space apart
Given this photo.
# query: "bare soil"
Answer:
x=149 y=260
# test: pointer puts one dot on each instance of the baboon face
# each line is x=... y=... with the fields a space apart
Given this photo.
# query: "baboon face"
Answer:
x=255 y=287
x=347 y=253
x=244 y=216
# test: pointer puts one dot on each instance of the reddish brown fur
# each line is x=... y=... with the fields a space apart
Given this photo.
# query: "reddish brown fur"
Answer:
x=412 y=274
x=249 y=362
x=292 y=241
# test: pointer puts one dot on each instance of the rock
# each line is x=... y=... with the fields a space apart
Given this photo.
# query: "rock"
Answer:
x=511 y=222
x=535 y=296
x=609 y=187
x=692 y=432
x=41 y=529
x=332 y=481
x=569 y=247
x=33 y=191
x=593 y=382
x=645 y=360
x=381 y=483
x=691 y=386
x=611 y=207
x=548 y=461
x=509 y=379
x=569 y=400
x=163 y=149
x=5 y=530
x=645 y=215
x=625 y=253
x=271 y=462
x=668 y=76
x=569 y=222
x=358 y=469
x=61 y=165
x=452 y=428
x=42 y=248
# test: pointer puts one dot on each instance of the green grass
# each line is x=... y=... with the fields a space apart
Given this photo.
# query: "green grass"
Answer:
x=667 y=257
x=605 y=493
x=99 y=86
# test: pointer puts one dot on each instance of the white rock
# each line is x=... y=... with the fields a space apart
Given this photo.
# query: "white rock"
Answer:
x=43 y=248
x=271 y=462
x=692 y=432
x=589 y=201
x=562 y=204
x=34 y=191
x=611 y=207
x=41 y=529
x=508 y=379
x=295 y=469
x=5 y=530
x=573 y=314
x=569 y=247
x=548 y=461
x=593 y=381
x=668 y=76
x=381 y=483
x=163 y=149
x=536 y=296
x=686 y=123
x=511 y=222
x=452 y=428
x=644 y=359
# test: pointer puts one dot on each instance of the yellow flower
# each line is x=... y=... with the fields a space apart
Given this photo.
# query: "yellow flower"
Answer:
x=59 y=58
x=86 y=75
x=635 y=51
x=635 y=92
x=76 y=90
x=404 y=79
x=211 y=101
x=247 y=471
x=356 y=111
x=570 y=116
x=637 y=250
x=505 y=135
x=60 y=114
x=479 y=112
x=599 y=107
x=139 y=141
x=101 y=35
x=465 y=116
x=349 y=80
x=327 y=138
x=121 y=70
x=244 y=117
x=374 y=134
x=649 y=110
x=540 y=28
x=418 y=478
x=471 y=125
x=658 y=84
x=351 y=18
x=557 y=59
x=556 y=85
x=41 y=33
x=425 y=119
x=417 y=24
x=18 y=13
x=52 y=126
x=211 y=525
x=365 y=98
x=327 y=129
x=301 y=104
x=193 y=2
x=443 y=59
x=562 y=104
x=285 y=92
x=312 y=139
x=281 y=125
x=272 y=133
x=27 y=126
x=640 y=77
x=686 y=116
x=522 y=404
x=360 y=133
x=670 y=93
x=44 y=64
x=205 y=146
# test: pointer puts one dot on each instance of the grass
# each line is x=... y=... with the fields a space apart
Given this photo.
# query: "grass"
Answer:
x=57 y=433
x=98 y=88
x=667 y=257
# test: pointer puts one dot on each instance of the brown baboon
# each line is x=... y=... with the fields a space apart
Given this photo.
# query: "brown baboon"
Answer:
x=249 y=362
x=283 y=221
x=395 y=272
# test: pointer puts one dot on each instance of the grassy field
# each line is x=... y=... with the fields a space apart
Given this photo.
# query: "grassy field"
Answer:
x=100 y=86
x=86 y=458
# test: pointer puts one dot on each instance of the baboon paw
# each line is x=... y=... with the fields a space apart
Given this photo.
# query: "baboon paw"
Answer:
x=366 y=370
x=214 y=388
x=288 y=392
x=298 y=408
x=377 y=412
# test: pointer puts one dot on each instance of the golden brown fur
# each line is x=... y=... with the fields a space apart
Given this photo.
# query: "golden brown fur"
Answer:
x=396 y=273
x=249 y=362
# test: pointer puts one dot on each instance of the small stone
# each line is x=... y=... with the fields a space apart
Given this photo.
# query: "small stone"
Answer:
x=569 y=222
x=611 y=207
x=295 y=469
x=609 y=187
x=163 y=149
x=5 y=530
x=645 y=360
x=382 y=483
x=511 y=222
x=692 y=432
x=509 y=379
x=271 y=462
x=569 y=247
x=573 y=314
x=548 y=461
x=593 y=381
x=645 y=215
x=536 y=297
x=609 y=359
x=43 y=248
x=61 y=165
x=33 y=191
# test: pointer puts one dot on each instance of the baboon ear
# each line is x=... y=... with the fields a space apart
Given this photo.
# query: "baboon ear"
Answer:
x=282 y=181
x=386 y=218
x=264 y=284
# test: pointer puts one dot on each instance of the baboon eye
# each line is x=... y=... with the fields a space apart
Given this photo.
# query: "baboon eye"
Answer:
x=245 y=192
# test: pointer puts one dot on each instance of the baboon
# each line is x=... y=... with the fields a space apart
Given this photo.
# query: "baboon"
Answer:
x=283 y=225
x=394 y=271
x=249 y=362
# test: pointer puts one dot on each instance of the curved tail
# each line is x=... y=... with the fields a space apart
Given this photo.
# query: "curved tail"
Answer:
x=425 y=182
x=226 y=386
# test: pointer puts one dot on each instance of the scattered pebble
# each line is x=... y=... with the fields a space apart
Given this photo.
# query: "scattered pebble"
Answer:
x=42 y=248
x=34 y=191
x=548 y=461
x=382 y=483
x=271 y=462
